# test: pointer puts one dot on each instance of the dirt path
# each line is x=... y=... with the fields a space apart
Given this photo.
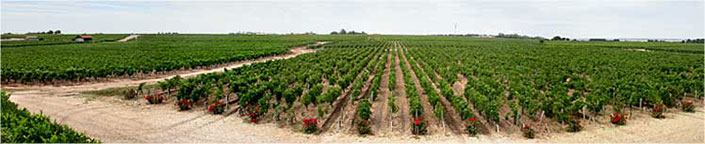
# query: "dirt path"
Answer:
x=434 y=125
x=380 y=110
x=459 y=86
x=402 y=122
x=131 y=37
x=116 y=120
x=341 y=107
x=677 y=127
x=452 y=117
x=350 y=110
x=99 y=85
x=112 y=121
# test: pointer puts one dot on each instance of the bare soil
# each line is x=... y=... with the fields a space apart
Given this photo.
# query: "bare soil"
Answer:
x=350 y=110
x=342 y=106
x=380 y=109
x=459 y=86
x=402 y=122
x=434 y=126
x=131 y=37
x=451 y=118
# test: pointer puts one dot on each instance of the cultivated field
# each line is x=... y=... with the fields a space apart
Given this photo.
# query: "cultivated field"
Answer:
x=54 y=39
x=363 y=88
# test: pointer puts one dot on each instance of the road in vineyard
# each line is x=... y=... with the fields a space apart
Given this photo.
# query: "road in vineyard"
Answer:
x=404 y=119
x=380 y=108
x=113 y=120
x=131 y=37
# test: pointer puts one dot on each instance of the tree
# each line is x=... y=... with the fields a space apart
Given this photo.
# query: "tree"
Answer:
x=559 y=38
x=50 y=32
x=334 y=32
x=342 y=31
x=57 y=32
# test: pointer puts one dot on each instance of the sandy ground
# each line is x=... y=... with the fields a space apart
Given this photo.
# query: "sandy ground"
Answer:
x=114 y=120
x=13 y=39
x=131 y=37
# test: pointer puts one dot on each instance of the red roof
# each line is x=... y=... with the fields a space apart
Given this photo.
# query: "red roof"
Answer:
x=85 y=36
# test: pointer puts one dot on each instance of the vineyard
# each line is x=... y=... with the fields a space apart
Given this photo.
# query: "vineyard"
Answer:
x=362 y=86
x=56 y=39
x=147 y=55
x=430 y=84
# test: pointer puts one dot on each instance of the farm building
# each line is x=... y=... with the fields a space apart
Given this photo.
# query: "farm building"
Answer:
x=83 y=38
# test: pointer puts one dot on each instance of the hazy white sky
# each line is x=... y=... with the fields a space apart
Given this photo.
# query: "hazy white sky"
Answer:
x=571 y=18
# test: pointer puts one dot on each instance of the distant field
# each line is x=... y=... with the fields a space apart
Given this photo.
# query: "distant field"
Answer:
x=148 y=53
x=51 y=39
x=653 y=46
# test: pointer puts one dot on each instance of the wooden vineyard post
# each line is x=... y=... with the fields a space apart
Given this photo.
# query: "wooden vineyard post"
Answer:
x=443 y=122
x=416 y=115
x=640 y=106
x=227 y=101
x=630 y=106
x=541 y=117
x=340 y=123
x=584 y=111
x=391 y=120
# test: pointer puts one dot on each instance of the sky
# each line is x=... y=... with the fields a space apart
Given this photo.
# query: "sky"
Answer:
x=546 y=18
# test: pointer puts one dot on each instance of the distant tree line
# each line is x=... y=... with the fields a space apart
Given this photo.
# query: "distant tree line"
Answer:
x=693 y=41
x=167 y=33
x=559 y=38
x=502 y=35
x=472 y=35
x=46 y=32
x=342 y=31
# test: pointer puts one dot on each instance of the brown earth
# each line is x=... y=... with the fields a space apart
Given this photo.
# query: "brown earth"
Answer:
x=434 y=125
x=459 y=86
x=451 y=118
x=350 y=110
x=343 y=106
x=402 y=122
x=381 y=112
